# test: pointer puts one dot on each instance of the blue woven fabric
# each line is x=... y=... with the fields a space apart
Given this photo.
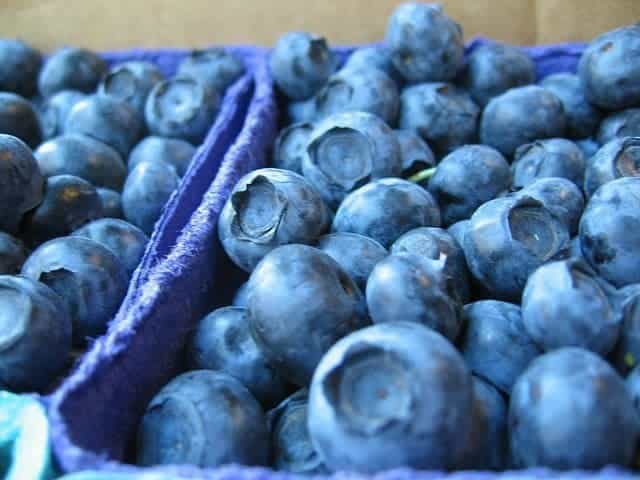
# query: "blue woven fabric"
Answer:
x=185 y=273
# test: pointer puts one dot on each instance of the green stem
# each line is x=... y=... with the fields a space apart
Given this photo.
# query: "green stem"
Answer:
x=422 y=175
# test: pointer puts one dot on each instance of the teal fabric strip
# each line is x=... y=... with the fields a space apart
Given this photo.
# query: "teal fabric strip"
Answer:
x=25 y=449
x=91 y=475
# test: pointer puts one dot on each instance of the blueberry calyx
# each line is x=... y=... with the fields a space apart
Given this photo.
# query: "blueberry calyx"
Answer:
x=59 y=280
x=531 y=225
x=582 y=276
x=318 y=49
x=346 y=157
x=534 y=163
x=259 y=208
x=578 y=270
x=628 y=158
x=12 y=326
x=371 y=388
x=179 y=106
x=122 y=81
x=337 y=88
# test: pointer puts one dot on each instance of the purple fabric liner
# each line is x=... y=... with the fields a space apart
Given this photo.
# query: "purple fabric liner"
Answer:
x=208 y=155
x=184 y=274
x=206 y=160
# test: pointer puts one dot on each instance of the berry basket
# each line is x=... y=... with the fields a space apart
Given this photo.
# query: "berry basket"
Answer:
x=185 y=273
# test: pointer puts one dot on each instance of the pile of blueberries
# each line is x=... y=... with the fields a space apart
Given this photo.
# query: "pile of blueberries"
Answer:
x=444 y=267
x=109 y=148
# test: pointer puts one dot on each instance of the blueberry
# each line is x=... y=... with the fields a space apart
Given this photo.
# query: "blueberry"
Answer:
x=555 y=157
x=107 y=120
x=222 y=342
x=582 y=117
x=495 y=345
x=610 y=69
x=82 y=157
x=474 y=450
x=521 y=115
x=291 y=146
x=466 y=178
x=575 y=250
x=88 y=277
x=570 y=410
x=633 y=386
x=588 y=146
x=561 y=197
x=206 y=419
x=111 y=203
x=492 y=69
x=131 y=83
x=19 y=118
x=458 y=230
x=415 y=154
x=426 y=45
x=565 y=304
x=437 y=244
x=181 y=108
x=269 y=208
x=12 y=254
x=71 y=69
x=240 y=299
x=55 y=110
x=493 y=407
x=356 y=254
x=617 y=159
x=303 y=111
x=443 y=115
x=359 y=89
x=21 y=183
x=610 y=231
x=347 y=150
x=300 y=64
x=35 y=334
x=215 y=67
x=385 y=209
x=146 y=192
x=69 y=202
x=173 y=151
x=625 y=123
x=126 y=241
x=377 y=56
x=19 y=67
x=391 y=395
x=626 y=355
x=507 y=239
x=301 y=302
x=291 y=447
x=414 y=288
x=486 y=446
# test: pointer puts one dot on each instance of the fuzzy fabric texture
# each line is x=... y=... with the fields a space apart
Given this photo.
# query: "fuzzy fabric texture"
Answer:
x=172 y=288
x=184 y=274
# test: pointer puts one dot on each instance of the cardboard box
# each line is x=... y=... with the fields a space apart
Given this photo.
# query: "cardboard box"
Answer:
x=116 y=24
